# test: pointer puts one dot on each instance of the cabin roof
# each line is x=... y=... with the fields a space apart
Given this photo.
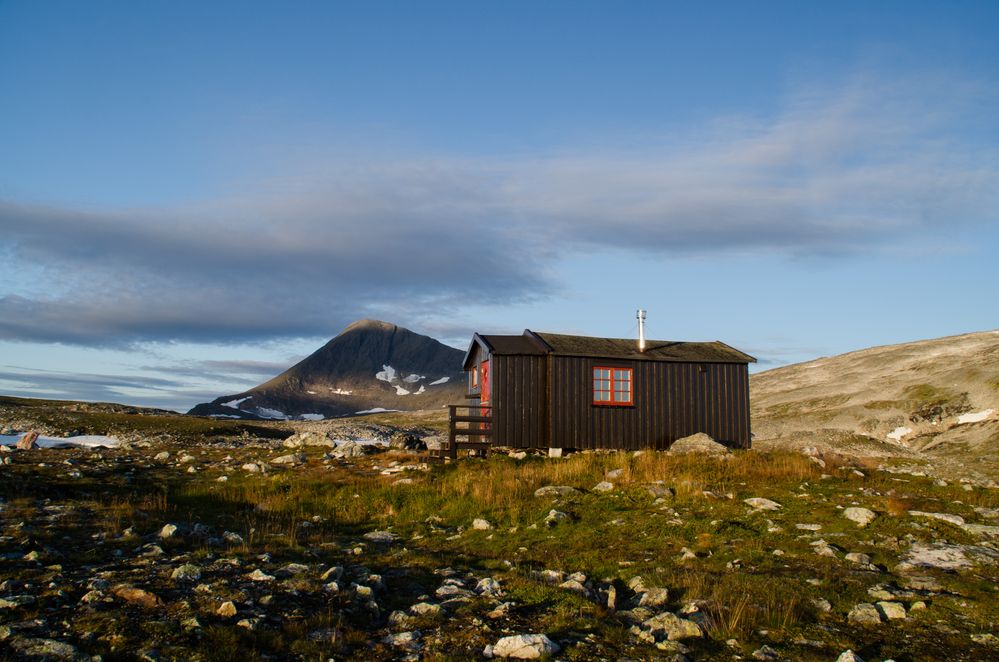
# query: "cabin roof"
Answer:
x=655 y=350
x=539 y=344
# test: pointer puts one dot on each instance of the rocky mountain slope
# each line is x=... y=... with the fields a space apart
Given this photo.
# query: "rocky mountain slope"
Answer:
x=933 y=397
x=371 y=365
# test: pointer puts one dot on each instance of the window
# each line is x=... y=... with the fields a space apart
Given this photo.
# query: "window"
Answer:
x=475 y=376
x=612 y=386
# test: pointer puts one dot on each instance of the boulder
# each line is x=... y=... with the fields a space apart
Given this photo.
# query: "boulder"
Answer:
x=603 y=486
x=864 y=614
x=406 y=441
x=555 y=491
x=760 y=503
x=670 y=626
x=28 y=441
x=698 y=443
x=524 y=647
x=227 y=610
x=290 y=460
x=849 y=656
x=480 y=524
x=138 y=596
x=861 y=516
x=309 y=438
x=186 y=573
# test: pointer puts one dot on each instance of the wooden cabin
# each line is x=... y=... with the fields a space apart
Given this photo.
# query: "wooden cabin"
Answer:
x=554 y=391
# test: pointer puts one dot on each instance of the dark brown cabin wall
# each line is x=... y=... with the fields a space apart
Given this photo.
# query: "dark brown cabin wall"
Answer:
x=672 y=400
x=518 y=399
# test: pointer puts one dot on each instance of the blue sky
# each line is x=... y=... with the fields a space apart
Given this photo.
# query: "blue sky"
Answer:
x=194 y=195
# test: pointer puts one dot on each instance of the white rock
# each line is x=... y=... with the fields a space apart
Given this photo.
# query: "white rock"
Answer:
x=525 y=647
x=227 y=610
x=956 y=520
x=849 y=656
x=251 y=467
x=760 y=503
x=292 y=459
x=603 y=486
x=861 y=516
x=555 y=490
x=481 y=525
x=864 y=614
x=159 y=457
x=186 y=573
x=892 y=610
x=168 y=531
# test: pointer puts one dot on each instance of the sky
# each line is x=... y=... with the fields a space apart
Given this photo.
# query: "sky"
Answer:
x=194 y=196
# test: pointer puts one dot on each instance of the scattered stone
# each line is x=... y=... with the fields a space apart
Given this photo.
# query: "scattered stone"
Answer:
x=409 y=641
x=555 y=491
x=186 y=573
x=523 y=647
x=660 y=491
x=308 y=438
x=808 y=527
x=227 y=610
x=251 y=467
x=766 y=653
x=935 y=555
x=382 y=537
x=698 y=443
x=956 y=520
x=673 y=627
x=168 y=531
x=406 y=441
x=849 y=656
x=232 y=538
x=892 y=610
x=603 y=486
x=259 y=575
x=28 y=441
x=864 y=614
x=160 y=457
x=292 y=460
x=425 y=610
x=138 y=596
x=16 y=601
x=653 y=597
x=822 y=604
x=46 y=649
x=481 y=525
x=862 y=517
x=555 y=516
x=760 y=503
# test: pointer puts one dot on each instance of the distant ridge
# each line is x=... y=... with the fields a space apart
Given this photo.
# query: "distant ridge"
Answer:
x=938 y=398
x=371 y=364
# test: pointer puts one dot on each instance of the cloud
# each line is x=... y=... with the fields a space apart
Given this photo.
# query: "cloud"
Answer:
x=865 y=167
x=147 y=390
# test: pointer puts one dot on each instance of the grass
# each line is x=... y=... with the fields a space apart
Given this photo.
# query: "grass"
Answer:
x=317 y=514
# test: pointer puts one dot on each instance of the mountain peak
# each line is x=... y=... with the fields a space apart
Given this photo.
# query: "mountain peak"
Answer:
x=370 y=325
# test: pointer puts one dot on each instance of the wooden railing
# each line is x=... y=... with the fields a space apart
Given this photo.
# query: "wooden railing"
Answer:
x=477 y=428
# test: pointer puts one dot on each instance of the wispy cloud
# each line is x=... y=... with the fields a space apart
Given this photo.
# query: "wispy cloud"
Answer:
x=864 y=167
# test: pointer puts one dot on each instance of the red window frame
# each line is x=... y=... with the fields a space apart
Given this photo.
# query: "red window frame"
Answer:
x=607 y=386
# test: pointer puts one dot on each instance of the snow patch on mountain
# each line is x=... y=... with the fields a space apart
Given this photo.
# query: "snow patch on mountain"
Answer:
x=386 y=374
x=899 y=432
x=412 y=379
x=442 y=380
x=975 y=417
x=376 y=410
x=234 y=404
x=423 y=389
x=400 y=390
x=264 y=412
x=340 y=391
x=312 y=417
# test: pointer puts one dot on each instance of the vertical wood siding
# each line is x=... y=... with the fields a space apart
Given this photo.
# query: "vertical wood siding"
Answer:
x=520 y=414
x=671 y=401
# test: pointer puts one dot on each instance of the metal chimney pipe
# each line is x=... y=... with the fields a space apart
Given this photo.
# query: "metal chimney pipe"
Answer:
x=641 y=330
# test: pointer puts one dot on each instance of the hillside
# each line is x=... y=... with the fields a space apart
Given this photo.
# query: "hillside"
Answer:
x=935 y=398
x=371 y=365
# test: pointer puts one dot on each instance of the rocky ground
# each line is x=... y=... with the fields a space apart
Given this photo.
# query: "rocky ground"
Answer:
x=326 y=546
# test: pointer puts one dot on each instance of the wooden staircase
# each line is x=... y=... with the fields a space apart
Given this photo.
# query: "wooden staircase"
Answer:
x=475 y=427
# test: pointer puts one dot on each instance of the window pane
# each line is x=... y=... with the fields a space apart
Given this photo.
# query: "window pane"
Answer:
x=600 y=373
x=602 y=396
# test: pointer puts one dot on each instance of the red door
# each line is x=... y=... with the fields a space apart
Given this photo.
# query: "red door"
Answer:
x=484 y=392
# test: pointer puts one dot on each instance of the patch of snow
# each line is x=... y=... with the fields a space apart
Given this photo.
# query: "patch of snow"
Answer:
x=400 y=390
x=386 y=374
x=264 y=412
x=312 y=417
x=224 y=416
x=83 y=441
x=898 y=433
x=340 y=391
x=976 y=417
x=442 y=380
x=234 y=404
x=376 y=410
x=311 y=392
x=412 y=379
x=422 y=390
